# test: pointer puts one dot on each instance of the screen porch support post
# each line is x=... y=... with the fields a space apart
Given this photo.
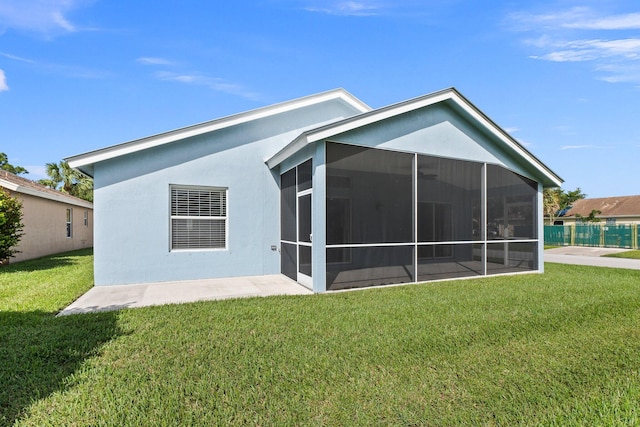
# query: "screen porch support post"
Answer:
x=319 y=219
x=415 y=217
x=540 y=223
x=483 y=216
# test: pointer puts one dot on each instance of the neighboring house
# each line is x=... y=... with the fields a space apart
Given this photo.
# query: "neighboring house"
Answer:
x=613 y=210
x=53 y=221
x=324 y=190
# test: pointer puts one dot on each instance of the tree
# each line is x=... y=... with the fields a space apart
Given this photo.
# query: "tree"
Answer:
x=551 y=200
x=556 y=199
x=589 y=218
x=10 y=225
x=68 y=180
x=5 y=165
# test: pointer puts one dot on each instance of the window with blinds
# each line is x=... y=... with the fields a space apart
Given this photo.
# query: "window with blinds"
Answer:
x=198 y=218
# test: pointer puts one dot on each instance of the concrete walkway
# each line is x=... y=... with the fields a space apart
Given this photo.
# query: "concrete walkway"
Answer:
x=106 y=298
x=582 y=255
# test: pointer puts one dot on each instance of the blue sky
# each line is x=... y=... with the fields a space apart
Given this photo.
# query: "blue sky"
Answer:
x=563 y=77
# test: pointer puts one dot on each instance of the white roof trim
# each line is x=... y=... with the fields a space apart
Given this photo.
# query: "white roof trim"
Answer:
x=81 y=161
x=62 y=198
x=328 y=131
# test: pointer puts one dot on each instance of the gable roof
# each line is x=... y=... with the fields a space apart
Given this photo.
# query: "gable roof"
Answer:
x=22 y=185
x=450 y=96
x=620 y=206
x=84 y=162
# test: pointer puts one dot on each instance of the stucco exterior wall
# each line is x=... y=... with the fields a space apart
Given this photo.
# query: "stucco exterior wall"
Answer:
x=436 y=130
x=45 y=228
x=132 y=241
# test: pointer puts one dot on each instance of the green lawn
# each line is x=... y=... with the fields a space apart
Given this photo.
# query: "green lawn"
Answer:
x=626 y=254
x=555 y=349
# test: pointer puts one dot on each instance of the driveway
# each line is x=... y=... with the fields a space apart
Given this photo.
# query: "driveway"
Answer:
x=583 y=255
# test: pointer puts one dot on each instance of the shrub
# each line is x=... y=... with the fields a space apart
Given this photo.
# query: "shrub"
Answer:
x=10 y=225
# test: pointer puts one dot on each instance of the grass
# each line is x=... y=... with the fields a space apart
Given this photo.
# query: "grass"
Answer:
x=46 y=284
x=554 y=349
x=550 y=247
x=39 y=352
x=627 y=254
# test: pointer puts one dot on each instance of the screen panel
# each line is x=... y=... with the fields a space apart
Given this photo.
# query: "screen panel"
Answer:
x=511 y=205
x=511 y=257
x=288 y=206
x=379 y=189
x=446 y=191
x=304 y=253
x=460 y=260
x=288 y=260
x=304 y=175
x=370 y=266
x=304 y=218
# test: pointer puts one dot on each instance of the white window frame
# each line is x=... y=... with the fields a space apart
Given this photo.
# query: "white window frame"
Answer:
x=225 y=217
x=69 y=223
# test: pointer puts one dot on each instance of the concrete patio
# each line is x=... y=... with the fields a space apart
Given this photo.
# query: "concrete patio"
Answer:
x=106 y=298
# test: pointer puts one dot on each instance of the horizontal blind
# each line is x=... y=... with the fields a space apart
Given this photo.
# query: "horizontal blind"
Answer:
x=198 y=218
x=198 y=202
x=198 y=233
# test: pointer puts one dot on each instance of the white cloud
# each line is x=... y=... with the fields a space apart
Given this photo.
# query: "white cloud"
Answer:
x=576 y=147
x=67 y=70
x=3 y=82
x=620 y=73
x=525 y=143
x=151 y=60
x=511 y=129
x=48 y=17
x=581 y=34
x=347 y=8
x=589 y=50
x=565 y=130
x=59 y=19
x=17 y=58
x=629 y=21
x=215 y=83
x=36 y=172
x=580 y=18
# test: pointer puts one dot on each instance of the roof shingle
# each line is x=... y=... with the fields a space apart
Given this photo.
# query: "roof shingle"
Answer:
x=609 y=206
x=45 y=191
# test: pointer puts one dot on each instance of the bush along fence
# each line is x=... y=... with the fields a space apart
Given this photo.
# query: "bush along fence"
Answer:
x=601 y=235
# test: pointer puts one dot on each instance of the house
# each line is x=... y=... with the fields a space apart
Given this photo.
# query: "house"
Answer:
x=53 y=221
x=613 y=210
x=322 y=189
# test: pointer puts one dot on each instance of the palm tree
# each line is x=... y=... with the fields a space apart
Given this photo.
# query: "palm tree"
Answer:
x=68 y=180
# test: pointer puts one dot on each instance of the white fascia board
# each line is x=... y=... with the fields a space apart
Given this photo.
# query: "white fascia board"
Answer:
x=9 y=185
x=351 y=123
x=365 y=119
x=508 y=140
x=90 y=158
x=289 y=150
x=62 y=198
